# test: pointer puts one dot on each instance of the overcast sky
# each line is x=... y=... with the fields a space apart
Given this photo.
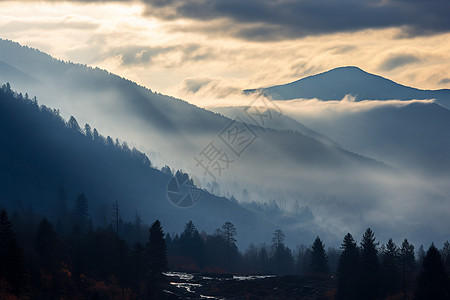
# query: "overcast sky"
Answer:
x=209 y=49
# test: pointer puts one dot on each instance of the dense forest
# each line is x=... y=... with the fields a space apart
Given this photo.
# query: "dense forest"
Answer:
x=66 y=252
x=74 y=260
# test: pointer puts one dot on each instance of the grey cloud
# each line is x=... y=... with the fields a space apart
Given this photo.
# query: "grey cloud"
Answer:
x=197 y=53
x=211 y=88
x=138 y=55
x=274 y=19
x=444 y=81
x=281 y=19
x=193 y=85
x=398 y=61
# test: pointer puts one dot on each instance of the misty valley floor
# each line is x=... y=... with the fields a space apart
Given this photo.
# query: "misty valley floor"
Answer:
x=225 y=286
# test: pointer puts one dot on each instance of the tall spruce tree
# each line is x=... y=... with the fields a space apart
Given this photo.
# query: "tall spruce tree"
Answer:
x=156 y=250
x=319 y=259
x=192 y=244
x=407 y=266
x=347 y=272
x=369 y=268
x=156 y=260
x=390 y=269
x=433 y=282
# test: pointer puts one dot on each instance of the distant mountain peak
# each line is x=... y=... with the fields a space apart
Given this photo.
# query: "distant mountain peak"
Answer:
x=345 y=73
x=336 y=83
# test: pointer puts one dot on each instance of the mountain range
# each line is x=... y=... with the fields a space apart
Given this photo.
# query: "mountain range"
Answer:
x=342 y=169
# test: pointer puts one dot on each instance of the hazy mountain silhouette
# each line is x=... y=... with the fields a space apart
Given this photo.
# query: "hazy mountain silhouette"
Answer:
x=412 y=137
x=335 y=84
x=10 y=73
x=279 y=122
x=41 y=152
x=415 y=137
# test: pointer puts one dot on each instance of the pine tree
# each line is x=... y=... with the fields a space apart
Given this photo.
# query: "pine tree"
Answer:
x=95 y=135
x=88 y=131
x=407 y=265
x=319 y=259
x=156 y=260
x=192 y=245
x=433 y=282
x=228 y=233
x=347 y=272
x=157 y=250
x=282 y=260
x=445 y=253
x=390 y=263
x=73 y=124
x=369 y=271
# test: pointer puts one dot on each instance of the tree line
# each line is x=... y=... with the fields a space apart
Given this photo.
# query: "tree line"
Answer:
x=36 y=262
x=74 y=260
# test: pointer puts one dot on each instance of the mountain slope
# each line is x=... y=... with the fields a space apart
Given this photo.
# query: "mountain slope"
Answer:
x=39 y=153
x=336 y=83
x=276 y=121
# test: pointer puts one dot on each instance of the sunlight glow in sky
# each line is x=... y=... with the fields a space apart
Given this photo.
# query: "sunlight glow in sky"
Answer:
x=172 y=50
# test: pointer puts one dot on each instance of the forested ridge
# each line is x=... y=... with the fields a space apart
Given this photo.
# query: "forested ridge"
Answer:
x=41 y=152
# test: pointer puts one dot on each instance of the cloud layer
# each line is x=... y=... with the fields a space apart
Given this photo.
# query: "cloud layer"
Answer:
x=268 y=20
x=280 y=19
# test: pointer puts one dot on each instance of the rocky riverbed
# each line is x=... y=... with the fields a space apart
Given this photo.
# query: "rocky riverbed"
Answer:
x=231 y=287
